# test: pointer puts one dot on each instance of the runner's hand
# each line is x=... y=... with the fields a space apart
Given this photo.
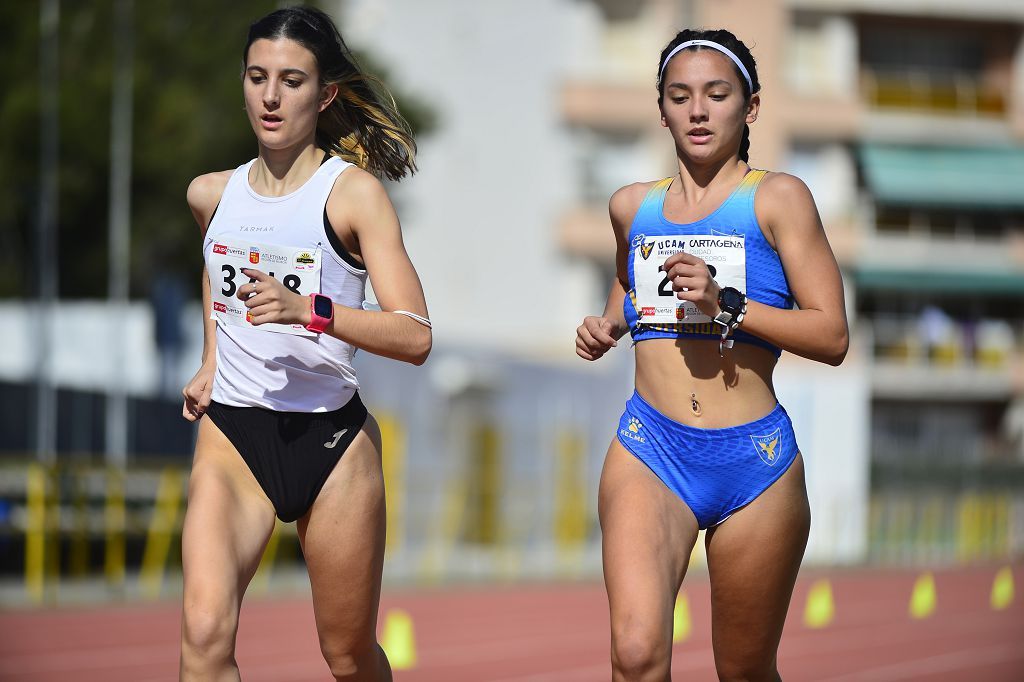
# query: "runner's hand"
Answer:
x=272 y=302
x=197 y=393
x=594 y=337
x=692 y=281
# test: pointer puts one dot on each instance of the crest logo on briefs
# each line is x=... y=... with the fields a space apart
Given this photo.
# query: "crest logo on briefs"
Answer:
x=254 y=255
x=766 y=446
x=645 y=250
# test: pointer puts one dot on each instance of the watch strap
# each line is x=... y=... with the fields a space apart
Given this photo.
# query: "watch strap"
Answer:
x=318 y=323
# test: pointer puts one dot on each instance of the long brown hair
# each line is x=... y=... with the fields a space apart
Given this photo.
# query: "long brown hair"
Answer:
x=362 y=125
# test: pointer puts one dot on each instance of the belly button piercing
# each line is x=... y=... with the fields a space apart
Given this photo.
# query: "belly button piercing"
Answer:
x=694 y=405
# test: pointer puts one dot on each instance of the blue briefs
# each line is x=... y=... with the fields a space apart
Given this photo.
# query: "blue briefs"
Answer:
x=714 y=471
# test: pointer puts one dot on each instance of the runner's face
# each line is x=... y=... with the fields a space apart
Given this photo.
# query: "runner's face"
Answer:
x=703 y=105
x=282 y=92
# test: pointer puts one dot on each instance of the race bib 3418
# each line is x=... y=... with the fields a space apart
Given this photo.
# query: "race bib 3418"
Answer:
x=298 y=269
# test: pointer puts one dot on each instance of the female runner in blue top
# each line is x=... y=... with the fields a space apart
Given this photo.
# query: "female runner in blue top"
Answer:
x=710 y=262
x=289 y=240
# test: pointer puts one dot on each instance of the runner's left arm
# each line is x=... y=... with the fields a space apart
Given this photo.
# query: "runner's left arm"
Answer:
x=360 y=206
x=818 y=328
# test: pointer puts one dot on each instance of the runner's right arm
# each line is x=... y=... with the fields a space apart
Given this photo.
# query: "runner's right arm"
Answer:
x=598 y=334
x=203 y=196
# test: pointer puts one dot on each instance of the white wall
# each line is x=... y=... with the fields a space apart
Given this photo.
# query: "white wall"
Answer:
x=480 y=217
x=830 y=409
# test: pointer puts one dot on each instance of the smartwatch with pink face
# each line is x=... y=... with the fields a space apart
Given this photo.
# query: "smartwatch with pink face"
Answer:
x=321 y=312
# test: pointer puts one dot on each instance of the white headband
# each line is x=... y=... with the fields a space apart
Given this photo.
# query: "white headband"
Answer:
x=715 y=46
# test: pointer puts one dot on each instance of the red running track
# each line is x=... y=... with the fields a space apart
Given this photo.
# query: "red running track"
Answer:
x=551 y=633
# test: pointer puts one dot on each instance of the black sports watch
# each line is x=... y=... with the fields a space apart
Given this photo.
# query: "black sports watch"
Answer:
x=733 y=305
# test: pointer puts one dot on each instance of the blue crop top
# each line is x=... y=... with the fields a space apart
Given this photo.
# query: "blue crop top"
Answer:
x=765 y=279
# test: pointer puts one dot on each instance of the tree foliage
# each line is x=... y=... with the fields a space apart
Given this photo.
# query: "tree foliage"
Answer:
x=187 y=120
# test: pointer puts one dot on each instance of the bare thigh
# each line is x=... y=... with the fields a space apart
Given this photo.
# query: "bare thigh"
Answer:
x=753 y=560
x=648 y=534
x=227 y=524
x=342 y=539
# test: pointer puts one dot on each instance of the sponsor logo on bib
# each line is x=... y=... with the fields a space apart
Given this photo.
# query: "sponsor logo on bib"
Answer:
x=254 y=255
x=220 y=248
x=304 y=261
x=646 y=249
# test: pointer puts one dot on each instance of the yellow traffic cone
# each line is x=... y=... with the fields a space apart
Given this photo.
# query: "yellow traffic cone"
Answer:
x=820 y=609
x=1002 y=589
x=681 y=625
x=398 y=641
x=922 y=600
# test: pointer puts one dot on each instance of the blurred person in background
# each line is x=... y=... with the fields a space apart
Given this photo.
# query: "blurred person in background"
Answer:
x=289 y=240
x=167 y=300
x=709 y=263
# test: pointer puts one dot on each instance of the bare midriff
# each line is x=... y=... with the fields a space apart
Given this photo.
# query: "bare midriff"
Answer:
x=689 y=382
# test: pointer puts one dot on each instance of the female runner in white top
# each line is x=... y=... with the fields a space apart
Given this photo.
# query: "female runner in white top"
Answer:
x=304 y=96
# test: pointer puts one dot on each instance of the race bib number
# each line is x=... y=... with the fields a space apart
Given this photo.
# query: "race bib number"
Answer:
x=297 y=269
x=656 y=302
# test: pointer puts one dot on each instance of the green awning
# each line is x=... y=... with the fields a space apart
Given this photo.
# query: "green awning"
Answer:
x=948 y=177
x=934 y=281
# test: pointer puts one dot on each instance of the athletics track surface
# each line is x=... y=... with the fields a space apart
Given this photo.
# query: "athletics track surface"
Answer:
x=553 y=633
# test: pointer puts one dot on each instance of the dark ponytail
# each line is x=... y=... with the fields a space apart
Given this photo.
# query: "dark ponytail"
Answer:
x=733 y=44
x=745 y=144
x=362 y=125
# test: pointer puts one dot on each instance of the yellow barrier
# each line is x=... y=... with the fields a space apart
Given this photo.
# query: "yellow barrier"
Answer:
x=485 y=486
x=393 y=439
x=78 y=559
x=35 y=534
x=983 y=523
x=570 y=491
x=162 y=528
x=114 y=519
x=261 y=580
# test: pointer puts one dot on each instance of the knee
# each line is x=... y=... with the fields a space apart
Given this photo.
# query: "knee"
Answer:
x=637 y=655
x=736 y=670
x=352 y=661
x=207 y=635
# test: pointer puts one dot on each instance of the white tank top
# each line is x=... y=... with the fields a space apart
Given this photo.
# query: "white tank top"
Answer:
x=284 y=372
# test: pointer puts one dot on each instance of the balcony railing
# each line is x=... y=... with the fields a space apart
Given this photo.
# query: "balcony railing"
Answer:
x=954 y=93
x=938 y=341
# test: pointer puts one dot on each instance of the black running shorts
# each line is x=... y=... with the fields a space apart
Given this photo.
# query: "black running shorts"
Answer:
x=291 y=454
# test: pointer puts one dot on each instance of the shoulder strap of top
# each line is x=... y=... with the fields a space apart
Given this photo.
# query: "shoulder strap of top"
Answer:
x=330 y=170
x=654 y=200
x=750 y=183
x=241 y=173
